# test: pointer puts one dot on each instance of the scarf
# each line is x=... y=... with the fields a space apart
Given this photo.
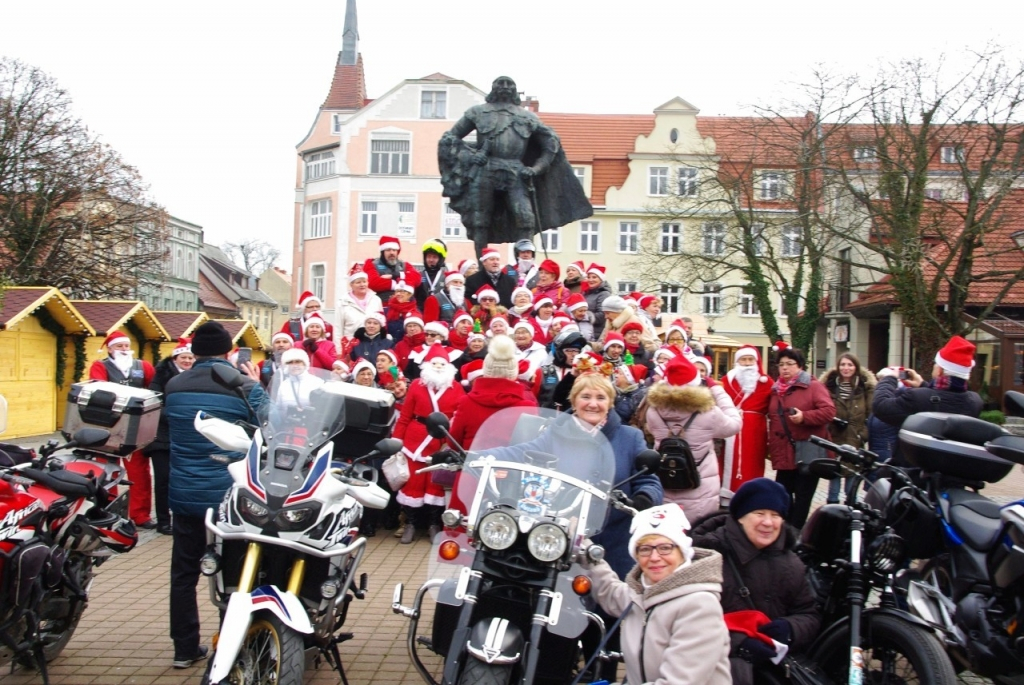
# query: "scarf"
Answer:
x=398 y=310
x=782 y=387
x=844 y=389
x=415 y=340
x=457 y=340
x=951 y=383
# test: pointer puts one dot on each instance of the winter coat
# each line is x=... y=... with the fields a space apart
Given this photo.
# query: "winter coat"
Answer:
x=504 y=286
x=536 y=355
x=894 y=407
x=855 y=409
x=669 y=407
x=165 y=371
x=595 y=297
x=377 y=273
x=617 y=322
x=810 y=397
x=558 y=293
x=431 y=281
x=420 y=402
x=882 y=438
x=488 y=396
x=675 y=633
x=586 y=326
x=197 y=482
x=367 y=347
x=322 y=353
x=293 y=327
x=775 y=576
x=351 y=315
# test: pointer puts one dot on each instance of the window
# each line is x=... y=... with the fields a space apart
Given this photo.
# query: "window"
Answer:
x=757 y=236
x=551 y=240
x=933 y=193
x=713 y=235
x=452 y=223
x=687 y=182
x=319 y=219
x=658 y=176
x=670 y=237
x=629 y=233
x=748 y=307
x=389 y=157
x=790 y=241
x=368 y=220
x=864 y=154
x=317 y=276
x=336 y=123
x=952 y=154
x=624 y=288
x=670 y=297
x=319 y=165
x=433 y=104
x=772 y=186
x=590 y=236
x=190 y=265
x=581 y=173
x=711 y=299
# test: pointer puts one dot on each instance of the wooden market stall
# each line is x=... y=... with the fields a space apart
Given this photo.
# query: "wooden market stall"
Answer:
x=33 y=324
x=178 y=325
x=244 y=334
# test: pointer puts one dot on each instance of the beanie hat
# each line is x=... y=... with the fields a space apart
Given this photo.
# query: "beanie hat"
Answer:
x=295 y=353
x=500 y=361
x=613 y=304
x=614 y=338
x=578 y=266
x=307 y=297
x=363 y=364
x=452 y=276
x=597 y=270
x=387 y=242
x=680 y=371
x=439 y=327
x=646 y=301
x=313 y=318
x=666 y=520
x=115 y=337
x=184 y=345
x=470 y=371
x=632 y=326
x=575 y=302
x=211 y=340
x=551 y=266
x=435 y=245
x=760 y=493
x=522 y=290
x=489 y=252
x=282 y=336
x=956 y=357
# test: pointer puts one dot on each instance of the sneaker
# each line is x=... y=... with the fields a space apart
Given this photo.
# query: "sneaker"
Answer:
x=185 y=662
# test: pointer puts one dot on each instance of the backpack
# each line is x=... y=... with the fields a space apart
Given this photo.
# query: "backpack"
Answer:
x=678 y=467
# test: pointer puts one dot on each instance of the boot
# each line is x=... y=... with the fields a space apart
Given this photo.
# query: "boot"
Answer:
x=408 y=534
x=400 y=527
x=433 y=516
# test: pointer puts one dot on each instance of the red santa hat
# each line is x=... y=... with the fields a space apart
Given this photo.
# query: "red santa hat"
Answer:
x=402 y=285
x=681 y=371
x=956 y=357
x=314 y=318
x=307 y=297
x=115 y=337
x=356 y=272
x=439 y=327
x=747 y=351
x=634 y=372
x=475 y=336
x=525 y=325
x=435 y=351
x=578 y=266
x=464 y=266
x=679 y=326
x=489 y=252
x=645 y=301
x=485 y=291
x=522 y=290
x=575 y=302
x=460 y=315
x=378 y=316
x=414 y=317
x=387 y=242
x=452 y=276
x=472 y=370
x=705 y=362
x=391 y=355
x=185 y=345
x=363 y=364
x=281 y=335
x=779 y=346
x=542 y=299
x=570 y=327
x=551 y=266
x=597 y=270
x=632 y=326
x=338 y=365
x=561 y=317
x=526 y=370
x=661 y=352
x=614 y=338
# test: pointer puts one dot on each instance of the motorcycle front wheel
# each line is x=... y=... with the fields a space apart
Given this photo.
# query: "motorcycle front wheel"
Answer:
x=60 y=611
x=271 y=654
x=477 y=672
x=895 y=653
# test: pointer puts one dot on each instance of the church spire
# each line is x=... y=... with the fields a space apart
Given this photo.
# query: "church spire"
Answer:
x=350 y=35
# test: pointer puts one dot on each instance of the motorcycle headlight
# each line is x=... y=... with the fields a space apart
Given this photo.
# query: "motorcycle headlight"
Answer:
x=252 y=511
x=547 y=542
x=297 y=518
x=498 y=530
x=886 y=552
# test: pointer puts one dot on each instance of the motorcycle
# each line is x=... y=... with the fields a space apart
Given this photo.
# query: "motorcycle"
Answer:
x=518 y=598
x=852 y=553
x=57 y=524
x=970 y=588
x=284 y=547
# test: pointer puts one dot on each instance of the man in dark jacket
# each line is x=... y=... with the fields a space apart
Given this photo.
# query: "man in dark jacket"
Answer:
x=946 y=392
x=493 y=275
x=433 y=271
x=198 y=483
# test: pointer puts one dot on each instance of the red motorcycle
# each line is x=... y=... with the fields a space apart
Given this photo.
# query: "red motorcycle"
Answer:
x=60 y=517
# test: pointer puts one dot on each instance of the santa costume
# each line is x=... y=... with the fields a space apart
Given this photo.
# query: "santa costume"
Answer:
x=745 y=452
x=295 y=327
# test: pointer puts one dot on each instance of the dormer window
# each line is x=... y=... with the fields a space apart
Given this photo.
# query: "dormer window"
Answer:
x=952 y=154
x=433 y=104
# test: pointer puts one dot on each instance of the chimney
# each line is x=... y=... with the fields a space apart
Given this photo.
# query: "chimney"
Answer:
x=531 y=103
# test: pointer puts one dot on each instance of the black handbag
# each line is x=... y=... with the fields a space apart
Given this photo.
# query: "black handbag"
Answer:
x=804 y=451
x=679 y=470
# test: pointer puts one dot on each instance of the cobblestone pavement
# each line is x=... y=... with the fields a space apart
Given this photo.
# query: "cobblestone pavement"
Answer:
x=122 y=637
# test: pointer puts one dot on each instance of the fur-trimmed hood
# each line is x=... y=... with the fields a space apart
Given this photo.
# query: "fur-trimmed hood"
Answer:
x=831 y=378
x=681 y=398
x=705 y=570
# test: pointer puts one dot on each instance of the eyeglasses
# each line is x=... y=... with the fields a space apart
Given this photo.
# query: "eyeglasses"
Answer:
x=788 y=364
x=432 y=335
x=663 y=550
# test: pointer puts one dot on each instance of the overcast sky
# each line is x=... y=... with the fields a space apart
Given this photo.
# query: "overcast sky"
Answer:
x=208 y=99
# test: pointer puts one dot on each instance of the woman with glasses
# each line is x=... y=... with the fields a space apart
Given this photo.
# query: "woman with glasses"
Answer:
x=673 y=630
x=800 y=406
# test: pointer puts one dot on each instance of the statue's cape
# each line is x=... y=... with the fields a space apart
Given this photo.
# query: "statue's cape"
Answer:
x=559 y=193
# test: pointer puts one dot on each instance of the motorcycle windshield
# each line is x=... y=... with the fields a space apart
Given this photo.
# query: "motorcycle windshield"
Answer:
x=538 y=465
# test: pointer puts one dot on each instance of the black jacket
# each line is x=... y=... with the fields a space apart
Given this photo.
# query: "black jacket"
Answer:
x=894 y=407
x=595 y=297
x=505 y=285
x=368 y=348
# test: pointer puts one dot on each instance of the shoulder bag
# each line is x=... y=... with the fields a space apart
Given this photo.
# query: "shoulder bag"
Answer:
x=804 y=451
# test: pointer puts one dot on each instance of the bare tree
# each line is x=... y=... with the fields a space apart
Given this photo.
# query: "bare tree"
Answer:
x=255 y=256
x=73 y=214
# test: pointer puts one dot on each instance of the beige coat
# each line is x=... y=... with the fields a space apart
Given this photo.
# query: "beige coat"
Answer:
x=676 y=624
x=617 y=323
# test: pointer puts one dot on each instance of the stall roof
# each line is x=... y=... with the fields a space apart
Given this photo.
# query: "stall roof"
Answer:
x=20 y=302
x=107 y=316
x=243 y=333
x=180 y=324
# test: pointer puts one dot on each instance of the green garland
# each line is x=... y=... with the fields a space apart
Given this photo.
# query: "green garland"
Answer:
x=136 y=333
x=80 y=357
x=50 y=324
x=154 y=351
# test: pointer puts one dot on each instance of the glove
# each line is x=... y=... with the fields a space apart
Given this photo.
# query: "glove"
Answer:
x=758 y=651
x=642 y=500
x=309 y=345
x=779 y=630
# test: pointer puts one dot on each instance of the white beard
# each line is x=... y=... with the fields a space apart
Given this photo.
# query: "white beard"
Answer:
x=437 y=379
x=457 y=296
x=122 y=360
x=746 y=377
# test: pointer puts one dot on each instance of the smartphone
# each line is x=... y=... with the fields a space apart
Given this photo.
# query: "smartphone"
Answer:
x=244 y=355
x=792 y=411
x=903 y=375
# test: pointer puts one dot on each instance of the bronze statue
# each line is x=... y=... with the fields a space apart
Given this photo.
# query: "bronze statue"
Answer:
x=515 y=181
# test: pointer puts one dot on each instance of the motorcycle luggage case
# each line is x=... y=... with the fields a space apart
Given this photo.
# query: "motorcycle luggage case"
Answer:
x=131 y=415
x=1006 y=558
x=953 y=445
x=369 y=413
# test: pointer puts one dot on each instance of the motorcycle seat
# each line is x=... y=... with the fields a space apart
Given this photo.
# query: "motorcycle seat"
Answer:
x=67 y=483
x=974 y=517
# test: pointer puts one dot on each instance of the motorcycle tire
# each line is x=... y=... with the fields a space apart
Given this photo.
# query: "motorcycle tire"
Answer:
x=895 y=653
x=477 y=672
x=56 y=629
x=271 y=654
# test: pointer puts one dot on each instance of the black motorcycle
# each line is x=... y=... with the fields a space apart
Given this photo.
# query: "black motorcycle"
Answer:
x=852 y=553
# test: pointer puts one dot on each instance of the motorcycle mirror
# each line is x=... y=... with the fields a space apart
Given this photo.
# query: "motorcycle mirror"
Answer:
x=1013 y=403
x=825 y=468
x=437 y=425
x=228 y=376
x=90 y=437
x=647 y=459
x=388 y=446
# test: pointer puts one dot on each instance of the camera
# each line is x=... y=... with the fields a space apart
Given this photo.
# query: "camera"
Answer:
x=903 y=375
x=792 y=411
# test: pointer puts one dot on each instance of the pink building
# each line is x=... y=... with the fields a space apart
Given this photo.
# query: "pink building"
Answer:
x=368 y=168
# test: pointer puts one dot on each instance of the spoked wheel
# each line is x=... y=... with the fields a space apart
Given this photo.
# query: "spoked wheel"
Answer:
x=272 y=654
x=895 y=653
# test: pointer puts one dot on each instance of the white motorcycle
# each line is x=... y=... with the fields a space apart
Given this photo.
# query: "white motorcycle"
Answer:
x=284 y=545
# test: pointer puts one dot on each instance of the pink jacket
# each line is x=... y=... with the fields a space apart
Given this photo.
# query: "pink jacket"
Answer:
x=668 y=409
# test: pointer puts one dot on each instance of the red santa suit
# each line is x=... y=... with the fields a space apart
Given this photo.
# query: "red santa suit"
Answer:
x=417 y=445
x=745 y=452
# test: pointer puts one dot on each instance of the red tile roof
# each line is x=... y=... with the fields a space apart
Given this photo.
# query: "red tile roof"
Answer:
x=104 y=316
x=211 y=297
x=180 y=324
x=19 y=302
x=348 y=88
x=437 y=76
